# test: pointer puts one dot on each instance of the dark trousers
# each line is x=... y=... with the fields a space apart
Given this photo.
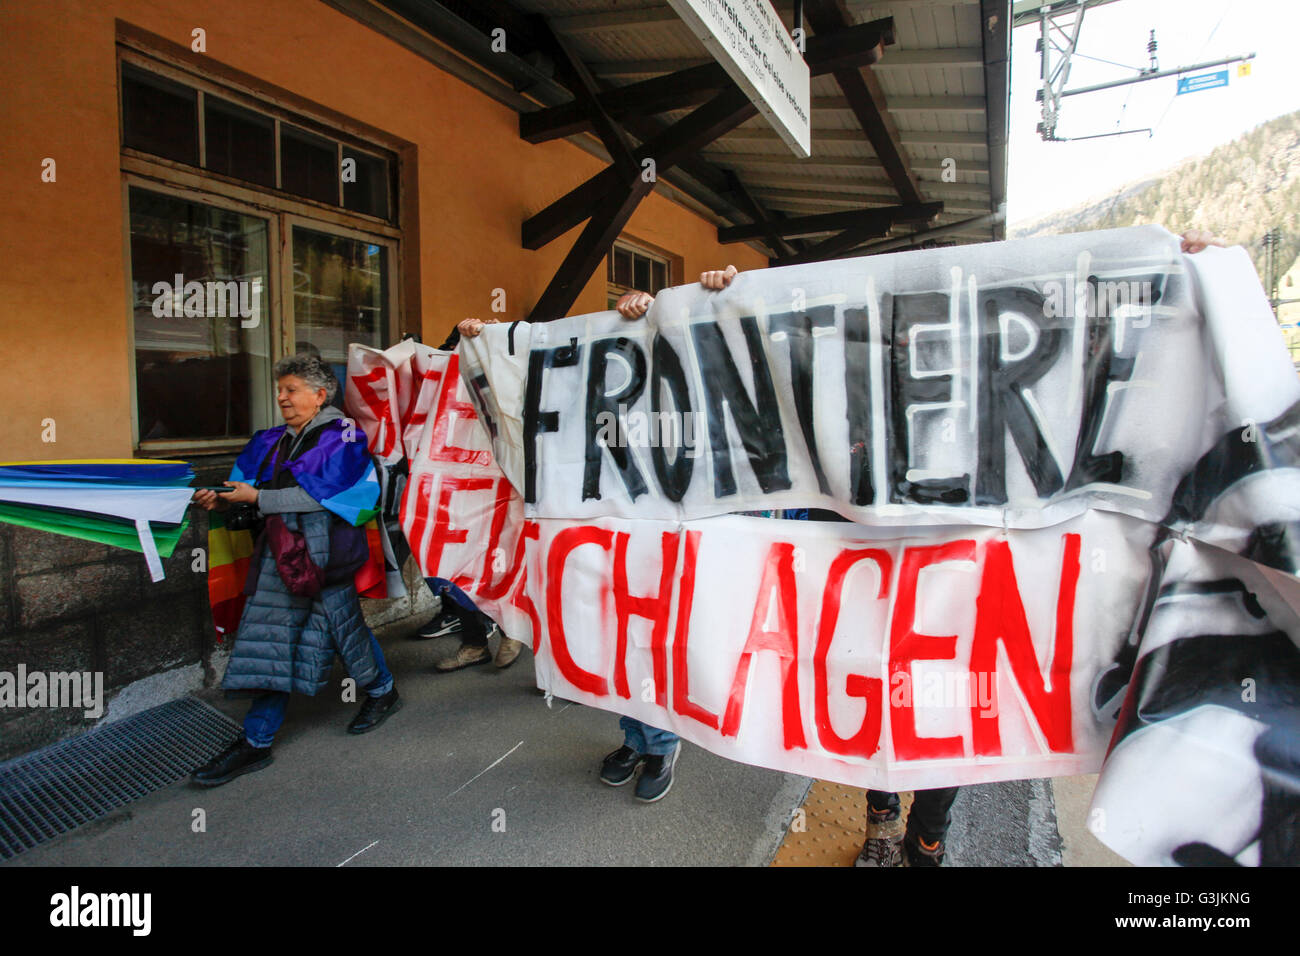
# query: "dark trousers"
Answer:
x=929 y=818
x=475 y=625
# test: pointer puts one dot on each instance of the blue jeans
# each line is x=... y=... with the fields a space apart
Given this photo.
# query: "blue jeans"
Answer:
x=266 y=714
x=441 y=587
x=645 y=739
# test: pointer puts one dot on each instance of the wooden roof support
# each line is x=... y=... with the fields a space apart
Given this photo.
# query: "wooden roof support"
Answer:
x=867 y=100
x=839 y=243
x=615 y=198
x=763 y=225
x=831 y=222
x=850 y=48
x=582 y=84
x=725 y=111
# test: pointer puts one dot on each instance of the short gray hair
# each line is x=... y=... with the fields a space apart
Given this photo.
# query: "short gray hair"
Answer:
x=311 y=370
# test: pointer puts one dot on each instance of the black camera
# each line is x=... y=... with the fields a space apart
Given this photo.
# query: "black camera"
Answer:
x=242 y=516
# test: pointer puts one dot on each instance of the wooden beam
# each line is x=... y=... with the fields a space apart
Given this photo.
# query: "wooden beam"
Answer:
x=832 y=221
x=613 y=20
x=583 y=86
x=619 y=197
x=835 y=245
x=762 y=227
x=865 y=97
x=680 y=90
x=592 y=246
x=860 y=45
x=693 y=131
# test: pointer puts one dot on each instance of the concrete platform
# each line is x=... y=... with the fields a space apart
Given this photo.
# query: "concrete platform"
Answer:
x=476 y=769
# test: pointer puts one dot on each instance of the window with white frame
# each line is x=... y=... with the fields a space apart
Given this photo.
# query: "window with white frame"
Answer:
x=253 y=233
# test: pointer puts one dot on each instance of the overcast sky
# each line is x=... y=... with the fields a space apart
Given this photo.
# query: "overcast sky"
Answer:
x=1046 y=177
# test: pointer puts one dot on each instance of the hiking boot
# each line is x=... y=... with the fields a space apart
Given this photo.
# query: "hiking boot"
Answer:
x=884 y=843
x=445 y=624
x=374 y=711
x=921 y=852
x=239 y=758
x=508 y=651
x=467 y=655
x=657 y=775
x=620 y=766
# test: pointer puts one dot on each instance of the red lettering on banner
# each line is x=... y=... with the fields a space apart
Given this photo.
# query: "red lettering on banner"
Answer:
x=867 y=740
x=439 y=449
x=380 y=408
x=500 y=511
x=906 y=646
x=411 y=419
x=682 y=702
x=778 y=575
x=565 y=542
x=443 y=533
x=420 y=491
x=520 y=598
x=1000 y=616
x=655 y=608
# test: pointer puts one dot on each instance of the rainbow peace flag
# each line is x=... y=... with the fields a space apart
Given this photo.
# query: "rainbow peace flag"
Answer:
x=229 y=555
x=138 y=504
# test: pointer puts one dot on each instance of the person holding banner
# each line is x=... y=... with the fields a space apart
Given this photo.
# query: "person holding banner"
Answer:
x=892 y=840
x=306 y=487
x=458 y=616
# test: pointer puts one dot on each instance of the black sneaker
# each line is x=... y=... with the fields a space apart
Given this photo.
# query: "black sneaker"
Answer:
x=921 y=852
x=374 y=711
x=620 y=766
x=657 y=775
x=445 y=624
x=239 y=758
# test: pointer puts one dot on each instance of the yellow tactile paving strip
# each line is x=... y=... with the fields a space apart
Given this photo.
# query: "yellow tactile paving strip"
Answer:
x=831 y=828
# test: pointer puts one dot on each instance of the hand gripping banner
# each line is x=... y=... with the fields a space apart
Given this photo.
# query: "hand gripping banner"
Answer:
x=1068 y=470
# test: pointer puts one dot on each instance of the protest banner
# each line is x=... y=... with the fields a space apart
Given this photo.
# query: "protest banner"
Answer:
x=1069 y=469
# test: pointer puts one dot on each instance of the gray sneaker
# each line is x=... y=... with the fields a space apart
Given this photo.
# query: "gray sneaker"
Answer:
x=884 y=843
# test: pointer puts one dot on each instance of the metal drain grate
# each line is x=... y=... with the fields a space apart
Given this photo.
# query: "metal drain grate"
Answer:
x=65 y=785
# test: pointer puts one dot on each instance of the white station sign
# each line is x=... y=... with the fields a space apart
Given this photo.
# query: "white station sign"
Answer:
x=753 y=46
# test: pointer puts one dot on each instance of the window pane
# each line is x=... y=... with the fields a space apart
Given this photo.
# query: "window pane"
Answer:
x=641 y=273
x=660 y=277
x=159 y=116
x=369 y=193
x=339 y=295
x=199 y=372
x=622 y=267
x=308 y=165
x=240 y=143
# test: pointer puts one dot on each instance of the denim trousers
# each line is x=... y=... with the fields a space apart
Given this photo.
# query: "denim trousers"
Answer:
x=266 y=714
x=645 y=739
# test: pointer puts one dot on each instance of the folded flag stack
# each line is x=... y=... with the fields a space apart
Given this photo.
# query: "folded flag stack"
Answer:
x=138 y=504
